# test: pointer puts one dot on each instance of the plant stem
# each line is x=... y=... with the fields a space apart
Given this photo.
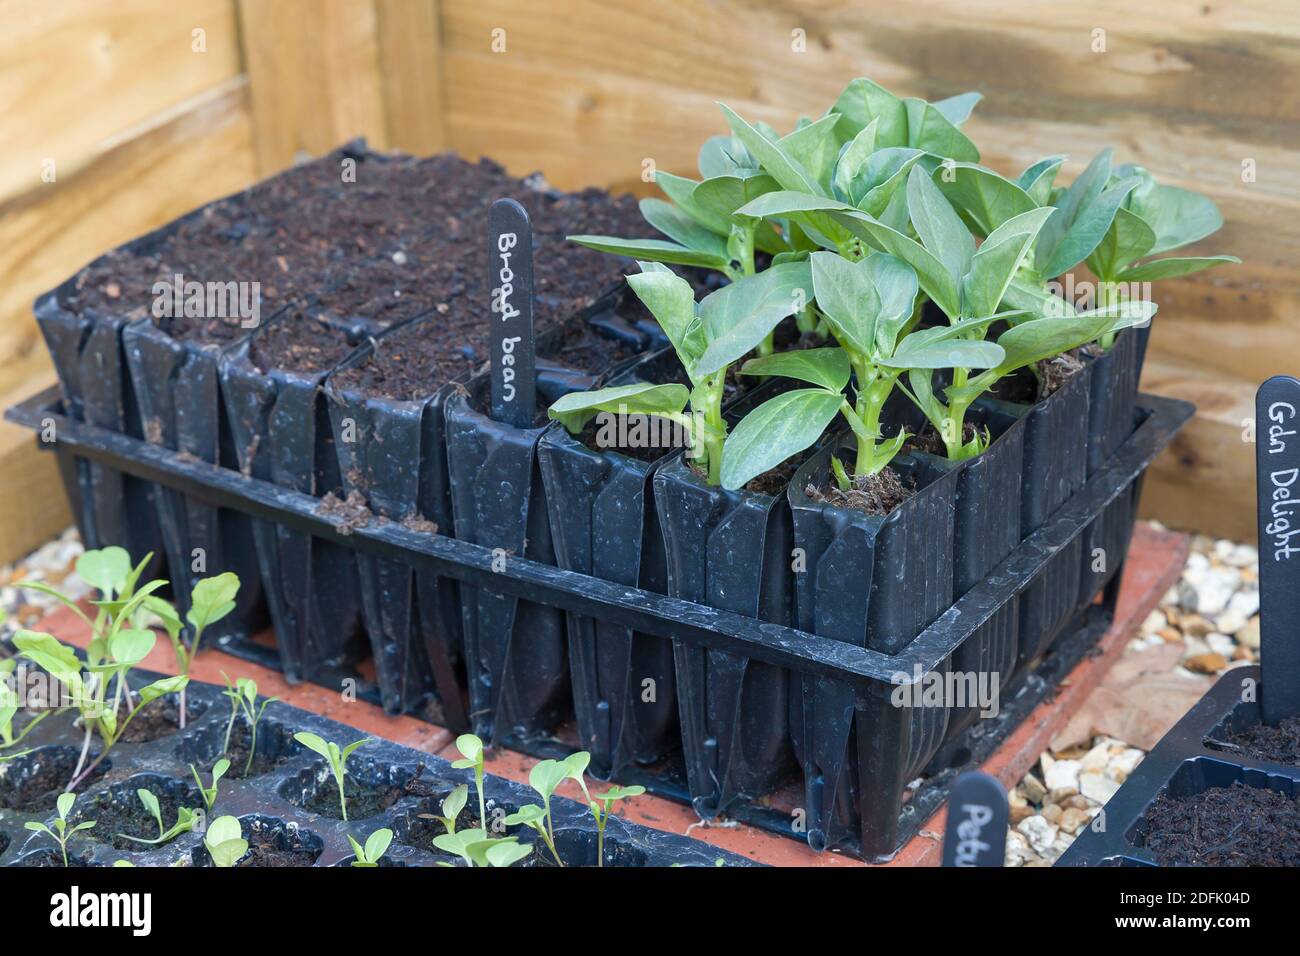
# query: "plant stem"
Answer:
x=715 y=430
x=63 y=848
x=601 y=819
x=343 y=804
x=81 y=760
x=252 y=749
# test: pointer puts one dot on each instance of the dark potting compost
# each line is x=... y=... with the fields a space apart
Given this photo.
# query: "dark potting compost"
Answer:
x=1224 y=826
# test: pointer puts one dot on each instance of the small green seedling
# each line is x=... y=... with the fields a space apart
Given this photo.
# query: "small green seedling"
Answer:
x=545 y=777
x=601 y=808
x=218 y=771
x=477 y=849
x=376 y=846
x=243 y=699
x=61 y=833
x=9 y=705
x=186 y=820
x=337 y=758
x=451 y=807
x=471 y=752
x=225 y=841
x=211 y=600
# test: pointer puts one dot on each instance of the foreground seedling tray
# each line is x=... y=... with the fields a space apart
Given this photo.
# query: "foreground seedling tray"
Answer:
x=291 y=809
x=1192 y=758
x=870 y=673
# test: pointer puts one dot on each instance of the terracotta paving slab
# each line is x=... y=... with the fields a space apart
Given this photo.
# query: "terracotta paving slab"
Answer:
x=1155 y=560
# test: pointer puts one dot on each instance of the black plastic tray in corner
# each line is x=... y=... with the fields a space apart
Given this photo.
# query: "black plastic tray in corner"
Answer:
x=703 y=629
x=282 y=435
x=603 y=522
x=87 y=354
x=393 y=454
x=288 y=805
x=178 y=387
x=1191 y=758
x=874 y=582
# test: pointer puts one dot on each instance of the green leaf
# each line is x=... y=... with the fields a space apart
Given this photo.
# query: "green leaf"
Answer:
x=212 y=599
x=622 y=793
x=681 y=191
x=952 y=353
x=863 y=102
x=219 y=770
x=1077 y=197
x=131 y=646
x=896 y=285
x=989 y=199
x=772 y=156
x=931 y=273
x=546 y=775
x=780 y=427
x=940 y=228
x=997 y=261
x=455 y=802
x=1177 y=216
x=44 y=650
x=313 y=742
x=957 y=109
x=1128 y=239
x=161 y=688
x=507 y=852
x=724 y=156
x=814 y=148
x=1172 y=267
x=671 y=300
x=348 y=750
x=828 y=367
x=1088 y=229
x=879 y=181
x=151 y=804
x=1045 y=338
x=853 y=159
x=1037 y=180
x=929 y=130
x=106 y=570
x=64 y=804
x=848 y=298
x=470 y=747
x=656 y=250
x=682 y=229
x=527 y=815
x=377 y=844
x=574 y=410
x=738 y=316
x=166 y=614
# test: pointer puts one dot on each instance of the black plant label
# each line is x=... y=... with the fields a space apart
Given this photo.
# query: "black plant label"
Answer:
x=510 y=279
x=1277 y=480
x=975 y=833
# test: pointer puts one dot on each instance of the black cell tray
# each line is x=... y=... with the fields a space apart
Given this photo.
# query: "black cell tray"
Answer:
x=1191 y=758
x=870 y=673
x=271 y=805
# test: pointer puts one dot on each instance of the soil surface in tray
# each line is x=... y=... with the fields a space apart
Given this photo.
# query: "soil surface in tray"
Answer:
x=1027 y=386
x=412 y=362
x=364 y=800
x=1281 y=744
x=408 y=236
x=877 y=494
x=1225 y=826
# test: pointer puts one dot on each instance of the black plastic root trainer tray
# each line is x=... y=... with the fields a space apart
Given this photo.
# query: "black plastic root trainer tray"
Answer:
x=289 y=811
x=871 y=674
x=1193 y=757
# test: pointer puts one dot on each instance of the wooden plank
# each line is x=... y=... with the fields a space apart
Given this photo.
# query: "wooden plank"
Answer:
x=79 y=72
x=313 y=71
x=30 y=479
x=1204 y=480
x=199 y=152
x=410 y=68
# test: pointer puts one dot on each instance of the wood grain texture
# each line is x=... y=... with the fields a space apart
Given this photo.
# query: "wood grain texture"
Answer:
x=313 y=72
x=1205 y=480
x=30 y=477
x=196 y=154
x=410 y=67
x=79 y=73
